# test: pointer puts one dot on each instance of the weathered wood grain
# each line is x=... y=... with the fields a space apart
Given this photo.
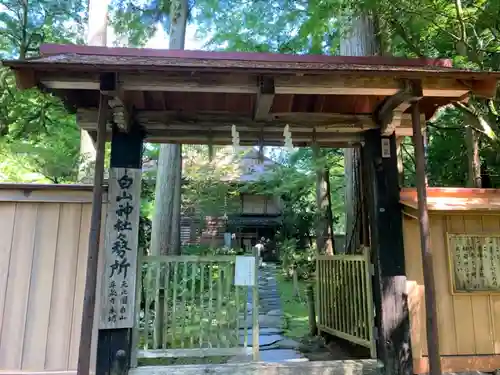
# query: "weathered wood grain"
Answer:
x=359 y=367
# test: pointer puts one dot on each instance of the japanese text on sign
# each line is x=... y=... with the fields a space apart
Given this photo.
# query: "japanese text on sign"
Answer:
x=118 y=292
x=476 y=262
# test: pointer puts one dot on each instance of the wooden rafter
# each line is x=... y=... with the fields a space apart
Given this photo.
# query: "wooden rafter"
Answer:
x=389 y=114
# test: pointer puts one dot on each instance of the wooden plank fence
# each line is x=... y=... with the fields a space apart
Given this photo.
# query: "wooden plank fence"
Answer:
x=345 y=303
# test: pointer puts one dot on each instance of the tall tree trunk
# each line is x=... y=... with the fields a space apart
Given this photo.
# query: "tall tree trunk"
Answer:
x=23 y=47
x=361 y=40
x=96 y=36
x=324 y=222
x=474 y=162
x=165 y=234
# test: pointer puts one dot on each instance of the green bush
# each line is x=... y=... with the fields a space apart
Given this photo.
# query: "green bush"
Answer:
x=302 y=261
x=205 y=250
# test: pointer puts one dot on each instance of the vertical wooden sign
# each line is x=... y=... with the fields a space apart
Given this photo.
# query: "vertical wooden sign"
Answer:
x=121 y=247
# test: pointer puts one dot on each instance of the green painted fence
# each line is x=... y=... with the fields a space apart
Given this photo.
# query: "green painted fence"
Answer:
x=188 y=306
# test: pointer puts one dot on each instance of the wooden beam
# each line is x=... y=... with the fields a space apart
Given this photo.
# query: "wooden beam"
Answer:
x=265 y=98
x=404 y=129
x=337 y=84
x=202 y=128
x=25 y=79
x=121 y=112
x=251 y=141
x=485 y=88
x=202 y=124
x=253 y=136
x=425 y=245
x=84 y=353
x=209 y=120
x=389 y=113
x=215 y=83
x=369 y=86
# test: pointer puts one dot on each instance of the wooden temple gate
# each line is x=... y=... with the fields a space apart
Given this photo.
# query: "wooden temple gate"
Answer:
x=196 y=97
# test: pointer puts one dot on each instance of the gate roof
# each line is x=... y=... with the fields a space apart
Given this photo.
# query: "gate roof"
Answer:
x=196 y=96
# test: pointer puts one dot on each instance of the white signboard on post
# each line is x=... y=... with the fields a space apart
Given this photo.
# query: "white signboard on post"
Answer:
x=121 y=246
x=244 y=271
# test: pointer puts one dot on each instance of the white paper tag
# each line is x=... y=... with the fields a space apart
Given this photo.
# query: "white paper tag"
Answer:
x=244 y=273
x=386 y=148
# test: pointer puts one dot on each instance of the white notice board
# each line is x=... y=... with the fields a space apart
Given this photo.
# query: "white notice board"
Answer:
x=244 y=271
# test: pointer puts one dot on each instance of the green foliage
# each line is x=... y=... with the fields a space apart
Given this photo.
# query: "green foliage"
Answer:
x=24 y=25
x=39 y=139
x=205 y=250
x=208 y=190
x=294 y=259
x=467 y=32
x=294 y=180
x=298 y=26
x=295 y=310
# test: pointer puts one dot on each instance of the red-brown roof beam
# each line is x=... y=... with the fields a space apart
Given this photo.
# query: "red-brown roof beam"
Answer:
x=181 y=91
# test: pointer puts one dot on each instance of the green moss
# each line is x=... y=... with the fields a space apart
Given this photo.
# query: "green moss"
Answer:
x=295 y=308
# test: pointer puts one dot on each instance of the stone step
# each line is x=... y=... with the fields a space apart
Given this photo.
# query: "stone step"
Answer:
x=265 y=321
x=281 y=355
x=271 y=342
x=264 y=340
x=264 y=331
x=356 y=367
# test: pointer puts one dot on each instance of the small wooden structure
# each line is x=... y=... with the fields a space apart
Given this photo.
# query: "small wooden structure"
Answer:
x=43 y=255
x=136 y=95
x=465 y=238
x=249 y=216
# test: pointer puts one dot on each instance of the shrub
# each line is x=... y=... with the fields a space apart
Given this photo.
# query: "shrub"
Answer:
x=302 y=261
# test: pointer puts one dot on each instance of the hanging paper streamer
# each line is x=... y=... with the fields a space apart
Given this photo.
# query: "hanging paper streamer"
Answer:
x=288 y=138
x=236 y=138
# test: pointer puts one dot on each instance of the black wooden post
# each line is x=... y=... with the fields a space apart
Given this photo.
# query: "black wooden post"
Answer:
x=386 y=238
x=114 y=345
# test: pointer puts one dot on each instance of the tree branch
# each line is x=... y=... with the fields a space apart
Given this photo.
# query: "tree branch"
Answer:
x=408 y=153
x=484 y=126
x=408 y=40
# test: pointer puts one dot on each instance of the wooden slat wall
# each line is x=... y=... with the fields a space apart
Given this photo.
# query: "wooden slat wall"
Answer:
x=468 y=323
x=43 y=255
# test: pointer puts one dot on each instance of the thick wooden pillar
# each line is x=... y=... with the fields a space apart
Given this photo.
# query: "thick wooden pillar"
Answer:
x=386 y=240
x=117 y=315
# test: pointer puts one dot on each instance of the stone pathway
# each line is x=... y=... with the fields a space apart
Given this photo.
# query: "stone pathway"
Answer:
x=273 y=346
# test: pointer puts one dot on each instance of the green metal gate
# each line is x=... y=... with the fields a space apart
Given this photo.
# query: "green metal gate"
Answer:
x=189 y=306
